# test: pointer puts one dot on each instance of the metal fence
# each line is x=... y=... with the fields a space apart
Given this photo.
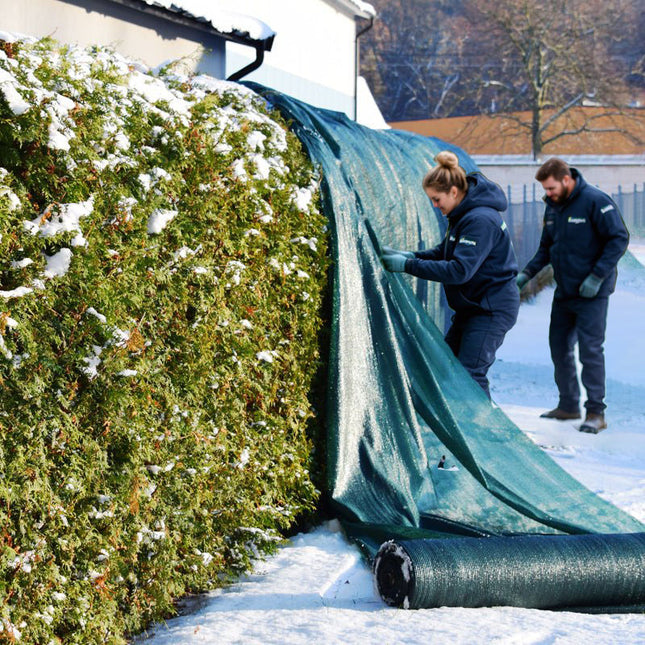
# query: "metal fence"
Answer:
x=524 y=218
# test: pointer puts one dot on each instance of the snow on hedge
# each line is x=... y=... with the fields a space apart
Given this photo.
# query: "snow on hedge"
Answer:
x=162 y=270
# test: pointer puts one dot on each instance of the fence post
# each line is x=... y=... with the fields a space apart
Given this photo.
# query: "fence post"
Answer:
x=639 y=207
x=510 y=215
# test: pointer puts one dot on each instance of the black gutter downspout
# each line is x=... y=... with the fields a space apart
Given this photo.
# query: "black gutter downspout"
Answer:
x=185 y=19
x=260 y=48
x=356 y=64
x=241 y=73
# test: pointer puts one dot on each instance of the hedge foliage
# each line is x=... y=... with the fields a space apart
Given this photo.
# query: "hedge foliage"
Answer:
x=163 y=263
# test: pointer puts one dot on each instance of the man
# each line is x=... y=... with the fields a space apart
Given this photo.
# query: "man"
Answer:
x=583 y=237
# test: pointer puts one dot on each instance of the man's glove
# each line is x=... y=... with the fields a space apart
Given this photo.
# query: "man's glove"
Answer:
x=521 y=280
x=590 y=286
x=395 y=262
x=388 y=251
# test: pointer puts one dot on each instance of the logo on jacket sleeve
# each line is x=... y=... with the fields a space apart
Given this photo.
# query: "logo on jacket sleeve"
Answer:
x=606 y=209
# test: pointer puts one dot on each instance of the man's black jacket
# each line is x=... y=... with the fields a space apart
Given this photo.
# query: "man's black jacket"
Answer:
x=584 y=234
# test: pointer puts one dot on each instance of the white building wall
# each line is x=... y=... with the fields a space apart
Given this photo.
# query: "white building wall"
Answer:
x=132 y=33
x=312 y=58
x=313 y=54
x=607 y=172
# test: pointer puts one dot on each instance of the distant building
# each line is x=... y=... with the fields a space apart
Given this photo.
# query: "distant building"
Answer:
x=501 y=135
x=304 y=48
x=503 y=150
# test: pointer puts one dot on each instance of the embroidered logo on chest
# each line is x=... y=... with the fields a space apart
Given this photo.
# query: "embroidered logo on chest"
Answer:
x=577 y=220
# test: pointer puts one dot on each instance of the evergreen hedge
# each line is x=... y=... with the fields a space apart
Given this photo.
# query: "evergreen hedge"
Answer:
x=162 y=267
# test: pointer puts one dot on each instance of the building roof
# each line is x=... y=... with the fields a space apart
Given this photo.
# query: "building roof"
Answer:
x=359 y=8
x=208 y=16
x=500 y=135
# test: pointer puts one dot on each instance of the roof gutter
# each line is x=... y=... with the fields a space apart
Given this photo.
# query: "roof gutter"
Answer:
x=186 y=20
x=259 y=59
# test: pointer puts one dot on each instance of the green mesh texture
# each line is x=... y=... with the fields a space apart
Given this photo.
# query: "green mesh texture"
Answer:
x=398 y=400
x=542 y=572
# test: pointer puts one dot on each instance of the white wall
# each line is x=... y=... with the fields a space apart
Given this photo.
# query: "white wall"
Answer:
x=313 y=54
x=312 y=58
x=369 y=113
x=606 y=172
x=132 y=33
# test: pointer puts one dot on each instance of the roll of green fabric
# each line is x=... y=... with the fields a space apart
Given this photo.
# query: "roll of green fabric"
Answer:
x=399 y=401
x=537 y=571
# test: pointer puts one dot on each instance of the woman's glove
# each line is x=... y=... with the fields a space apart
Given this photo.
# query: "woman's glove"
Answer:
x=388 y=251
x=394 y=262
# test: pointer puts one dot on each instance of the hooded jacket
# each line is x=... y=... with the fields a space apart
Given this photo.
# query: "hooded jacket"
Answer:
x=584 y=234
x=475 y=262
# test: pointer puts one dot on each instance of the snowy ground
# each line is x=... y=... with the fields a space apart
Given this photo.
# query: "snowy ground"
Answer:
x=318 y=590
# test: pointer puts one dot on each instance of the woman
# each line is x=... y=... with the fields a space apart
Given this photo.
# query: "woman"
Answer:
x=475 y=262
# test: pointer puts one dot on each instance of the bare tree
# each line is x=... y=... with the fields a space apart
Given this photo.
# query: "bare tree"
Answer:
x=543 y=58
x=409 y=58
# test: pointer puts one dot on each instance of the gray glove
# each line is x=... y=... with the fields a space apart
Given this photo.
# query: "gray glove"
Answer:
x=395 y=263
x=521 y=280
x=590 y=286
x=388 y=251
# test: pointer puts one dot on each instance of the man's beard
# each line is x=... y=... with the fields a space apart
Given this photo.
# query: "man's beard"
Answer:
x=560 y=197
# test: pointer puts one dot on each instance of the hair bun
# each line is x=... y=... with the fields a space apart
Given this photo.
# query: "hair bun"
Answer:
x=445 y=174
x=447 y=159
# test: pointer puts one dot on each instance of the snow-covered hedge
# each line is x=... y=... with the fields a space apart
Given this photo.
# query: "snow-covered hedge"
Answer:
x=162 y=264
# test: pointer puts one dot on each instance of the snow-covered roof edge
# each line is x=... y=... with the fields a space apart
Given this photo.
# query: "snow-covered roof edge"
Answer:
x=202 y=13
x=357 y=7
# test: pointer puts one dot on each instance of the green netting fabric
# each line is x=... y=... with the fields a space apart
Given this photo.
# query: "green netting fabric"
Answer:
x=543 y=572
x=398 y=399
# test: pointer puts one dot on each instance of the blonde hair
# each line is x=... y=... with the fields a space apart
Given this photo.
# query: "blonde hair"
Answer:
x=446 y=174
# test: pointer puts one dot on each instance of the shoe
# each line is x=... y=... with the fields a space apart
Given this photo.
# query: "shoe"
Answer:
x=560 y=414
x=593 y=423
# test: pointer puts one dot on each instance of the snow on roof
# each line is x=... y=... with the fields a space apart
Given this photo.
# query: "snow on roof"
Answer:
x=223 y=21
x=364 y=7
x=361 y=9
